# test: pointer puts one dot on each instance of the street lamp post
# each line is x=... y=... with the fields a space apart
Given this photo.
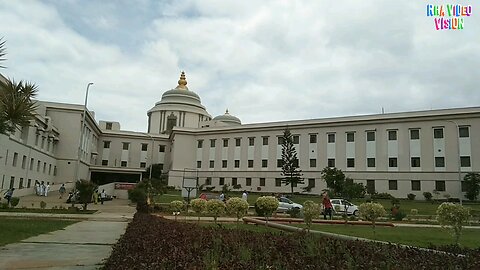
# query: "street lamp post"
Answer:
x=458 y=160
x=82 y=124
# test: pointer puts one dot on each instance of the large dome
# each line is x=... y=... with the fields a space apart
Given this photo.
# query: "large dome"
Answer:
x=181 y=95
x=228 y=119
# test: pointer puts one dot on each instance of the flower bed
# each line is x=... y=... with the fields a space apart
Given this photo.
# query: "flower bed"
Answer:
x=155 y=243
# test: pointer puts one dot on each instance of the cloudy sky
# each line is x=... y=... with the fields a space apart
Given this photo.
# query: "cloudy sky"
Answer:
x=263 y=60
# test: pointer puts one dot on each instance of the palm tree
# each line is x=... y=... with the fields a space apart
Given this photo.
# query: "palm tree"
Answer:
x=17 y=107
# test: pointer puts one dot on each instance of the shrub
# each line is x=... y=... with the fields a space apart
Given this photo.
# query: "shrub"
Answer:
x=43 y=204
x=427 y=195
x=397 y=214
x=452 y=216
x=177 y=207
x=371 y=212
x=85 y=191
x=238 y=207
x=411 y=196
x=199 y=206
x=14 y=201
x=472 y=185
x=413 y=212
x=215 y=208
x=267 y=205
x=294 y=212
x=310 y=210
x=3 y=205
x=382 y=196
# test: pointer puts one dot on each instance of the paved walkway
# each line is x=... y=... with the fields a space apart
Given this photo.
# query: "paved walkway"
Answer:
x=83 y=245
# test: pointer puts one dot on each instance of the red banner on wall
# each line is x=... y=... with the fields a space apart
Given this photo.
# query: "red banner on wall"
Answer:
x=125 y=186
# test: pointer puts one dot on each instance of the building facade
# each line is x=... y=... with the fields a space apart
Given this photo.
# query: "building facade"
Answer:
x=397 y=153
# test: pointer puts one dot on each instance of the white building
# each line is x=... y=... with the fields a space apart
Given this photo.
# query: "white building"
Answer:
x=397 y=153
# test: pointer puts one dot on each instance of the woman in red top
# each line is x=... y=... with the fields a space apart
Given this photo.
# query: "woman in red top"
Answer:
x=327 y=206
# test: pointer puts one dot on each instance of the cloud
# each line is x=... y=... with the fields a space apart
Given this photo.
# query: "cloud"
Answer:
x=269 y=61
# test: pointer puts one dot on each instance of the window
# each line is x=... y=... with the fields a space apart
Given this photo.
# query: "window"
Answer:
x=370 y=162
x=20 y=185
x=12 y=181
x=38 y=166
x=108 y=126
x=350 y=162
x=371 y=186
x=250 y=163
x=251 y=141
x=212 y=164
x=331 y=162
x=199 y=164
x=438 y=133
x=224 y=164
x=279 y=163
x=465 y=161
x=125 y=145
x=392 y=135
x=350 y=137
x=440 y=185
x=200 y=144
x=234 y=181
x=104 y=162
x=415 y=185
x=24 y=162
x=237 y=163
x=44 y=167
x=31 y=164
x=331 y=137
x=221 y=181
x=262 y=182
x=161 y=148
x=370 y=136
x=392 y=185
x=238 y=141
x=392 y=162
x=279 y=140
x=212 y=143
x=313 y=138
x=415 y=162
x=225 y=142
x=313 y=163
x=296 y=139
x=265 y=140
x=144 y=147
x=143 y=164
x=29 y=183
x=264 y=163
x=463 y=132
x=248 y=182
x=106 y=144
x=124 y=164
x=414 y=134
x=439 y=162
x=15 y=158
x=208 y=181
x=55 y=171
x=278 y=182
x=49 y=169
x=311 y=182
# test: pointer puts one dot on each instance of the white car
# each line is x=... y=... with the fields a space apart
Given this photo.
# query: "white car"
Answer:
x=340 y=205
x=285 y=204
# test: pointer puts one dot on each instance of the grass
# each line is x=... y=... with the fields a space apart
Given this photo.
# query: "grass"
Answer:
x=47 y=211
x=419 y=237
x=15 y=229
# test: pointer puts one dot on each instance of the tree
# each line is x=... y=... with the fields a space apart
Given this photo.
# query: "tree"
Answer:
x=310 y=210
x=156 y=171
x=290 y=170
x=266 y=205
x=452 y=216
x=472 y=185
x=238 y=207
x=335 y=179
x=85 y=191
x=353 y=190
x=371 y=212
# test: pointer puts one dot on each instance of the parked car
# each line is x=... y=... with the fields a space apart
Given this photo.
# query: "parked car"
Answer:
x=285 y=204
x=340 y=205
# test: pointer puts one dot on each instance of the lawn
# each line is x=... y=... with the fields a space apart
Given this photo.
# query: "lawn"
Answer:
x=48 y=211
x=419 y=237
x=15 y=229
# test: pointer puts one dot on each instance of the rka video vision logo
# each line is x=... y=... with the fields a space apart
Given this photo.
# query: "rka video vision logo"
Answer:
x=449 y=17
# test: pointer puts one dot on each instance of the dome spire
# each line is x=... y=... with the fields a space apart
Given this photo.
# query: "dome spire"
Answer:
x=182 y=83
x=226 y=111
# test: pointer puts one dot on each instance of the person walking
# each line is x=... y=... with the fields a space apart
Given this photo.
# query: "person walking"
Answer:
x=222 y=197
x=47 y=188
x=62 y=190
x=37 y=188
x=103 y=196
x=8 y=195
x=244 y=195
x=327 y=206
x=95 y=196
x=42 y=189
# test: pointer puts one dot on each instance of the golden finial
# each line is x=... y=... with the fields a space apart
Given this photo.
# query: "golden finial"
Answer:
x=226 y=111
x=182 y=83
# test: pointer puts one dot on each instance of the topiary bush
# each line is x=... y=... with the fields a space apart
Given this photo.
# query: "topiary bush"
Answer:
x=371 y=212
x=14 y=201
x=294 y=212
x=428 y=196
x=411 y=196
x=199 y=206
x=177 y=207
x=238 y=207
x=215 y=208
x=310 y=211
x=267 y=205
x=452 y=216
